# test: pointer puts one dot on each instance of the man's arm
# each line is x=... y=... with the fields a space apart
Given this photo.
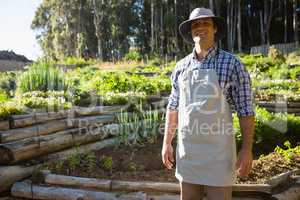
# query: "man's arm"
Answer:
x=171 y=122
x=170 y=126
x=245 y=156
x=170 y=129
x=243 y=99
x=247 y=125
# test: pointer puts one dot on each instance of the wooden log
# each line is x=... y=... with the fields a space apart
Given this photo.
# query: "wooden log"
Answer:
x=281 y=178
x=144 y=186
x=174 y=187
x=10 y=174
x=39 y=129
x=78 y=182
x=82 y=111
x=177 y=197
x=36 y=146
x=288 y=110
x=292 y=193
x=4 y=125
x=141 y=185
x=91 y=120
x=252 y=187
x=279 y=104
x=30 y=119
x=31 y=191
x=53 y=126
x=81 y=149
x=27 y=120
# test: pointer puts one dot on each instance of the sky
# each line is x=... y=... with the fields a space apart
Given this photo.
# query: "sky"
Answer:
x=15 y=32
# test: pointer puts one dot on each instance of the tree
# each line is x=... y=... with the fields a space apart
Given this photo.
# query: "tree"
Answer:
x=239 y=25
x=99 y=14
x=295 y=23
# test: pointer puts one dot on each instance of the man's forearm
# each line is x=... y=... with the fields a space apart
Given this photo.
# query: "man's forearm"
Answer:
x=247 y=125
x=170 y=126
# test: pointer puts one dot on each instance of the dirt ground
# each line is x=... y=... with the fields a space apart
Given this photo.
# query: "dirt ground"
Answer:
x=144 y=163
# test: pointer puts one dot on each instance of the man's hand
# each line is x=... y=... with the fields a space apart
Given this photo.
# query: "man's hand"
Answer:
x=244 y=162
x=245 y=157
x=170 y=128
x=167 y=155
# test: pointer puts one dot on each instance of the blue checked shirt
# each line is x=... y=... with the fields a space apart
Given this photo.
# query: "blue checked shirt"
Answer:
x=233 y=79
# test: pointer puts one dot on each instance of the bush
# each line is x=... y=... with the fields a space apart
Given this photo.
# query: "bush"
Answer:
x=295 y=73
x=42 y=77
x=258 y=65
x=77 y=61
x=8 y=82
x=279 y=72
x=3 y=96
x=275 y=54
x=293 y=58
x=10 y=108
x=271 y=129
x=133 y=55
x=143 y=126
x=111 y=98
x=45 y=101
x=278 y=85
x=120 y=82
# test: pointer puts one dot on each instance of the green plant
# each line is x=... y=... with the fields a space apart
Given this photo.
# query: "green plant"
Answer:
x=293 y=58
x=8 y=82
x=295 y=72
x=42 y=77
x=133 y=55
x=275 y=54
x=59 y=164
x=77 y=61
x=129 y=129
x=288 y=153
x=271 y=129
x=74 y=159
x=132 y=166
x=111 y=98
x=3 y=96
x=140 y=127
x=45 y=101
x=279 y=72
x=91 y=160
x=107 y=162
x=151 y=124
x=10 y=108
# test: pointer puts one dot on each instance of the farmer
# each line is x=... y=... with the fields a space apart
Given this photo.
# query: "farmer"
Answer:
x=205 y=85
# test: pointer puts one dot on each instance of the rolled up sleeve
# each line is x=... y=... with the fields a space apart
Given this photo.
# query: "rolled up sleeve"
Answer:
x=174 y=96
x=242 y=92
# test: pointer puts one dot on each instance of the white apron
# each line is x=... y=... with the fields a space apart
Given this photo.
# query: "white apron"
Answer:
x=206 y=148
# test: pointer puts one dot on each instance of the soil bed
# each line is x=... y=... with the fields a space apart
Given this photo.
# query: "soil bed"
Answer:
x=144 y=163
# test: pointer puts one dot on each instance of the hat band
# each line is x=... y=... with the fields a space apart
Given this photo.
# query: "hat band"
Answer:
x=201 y=16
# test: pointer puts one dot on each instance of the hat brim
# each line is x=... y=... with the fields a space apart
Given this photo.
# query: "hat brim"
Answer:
x=185 y=28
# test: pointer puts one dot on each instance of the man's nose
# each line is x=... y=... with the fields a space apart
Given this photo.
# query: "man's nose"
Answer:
x=200 y=28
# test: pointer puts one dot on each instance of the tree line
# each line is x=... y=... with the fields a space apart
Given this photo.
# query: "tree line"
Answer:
x=107 y=29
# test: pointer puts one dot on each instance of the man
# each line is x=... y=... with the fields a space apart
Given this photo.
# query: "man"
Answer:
x=204 y=86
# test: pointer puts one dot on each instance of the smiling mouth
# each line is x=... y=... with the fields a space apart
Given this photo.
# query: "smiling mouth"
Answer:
x=201 y=35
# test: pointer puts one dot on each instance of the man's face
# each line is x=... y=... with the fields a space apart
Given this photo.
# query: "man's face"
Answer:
x=205 y=29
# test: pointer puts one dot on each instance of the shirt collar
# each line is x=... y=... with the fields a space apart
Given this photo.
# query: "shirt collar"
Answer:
x=211 y=52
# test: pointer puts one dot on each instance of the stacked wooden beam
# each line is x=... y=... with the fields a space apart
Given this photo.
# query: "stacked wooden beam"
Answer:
x=288 y=107
x=50 y=135
x=70 y=187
